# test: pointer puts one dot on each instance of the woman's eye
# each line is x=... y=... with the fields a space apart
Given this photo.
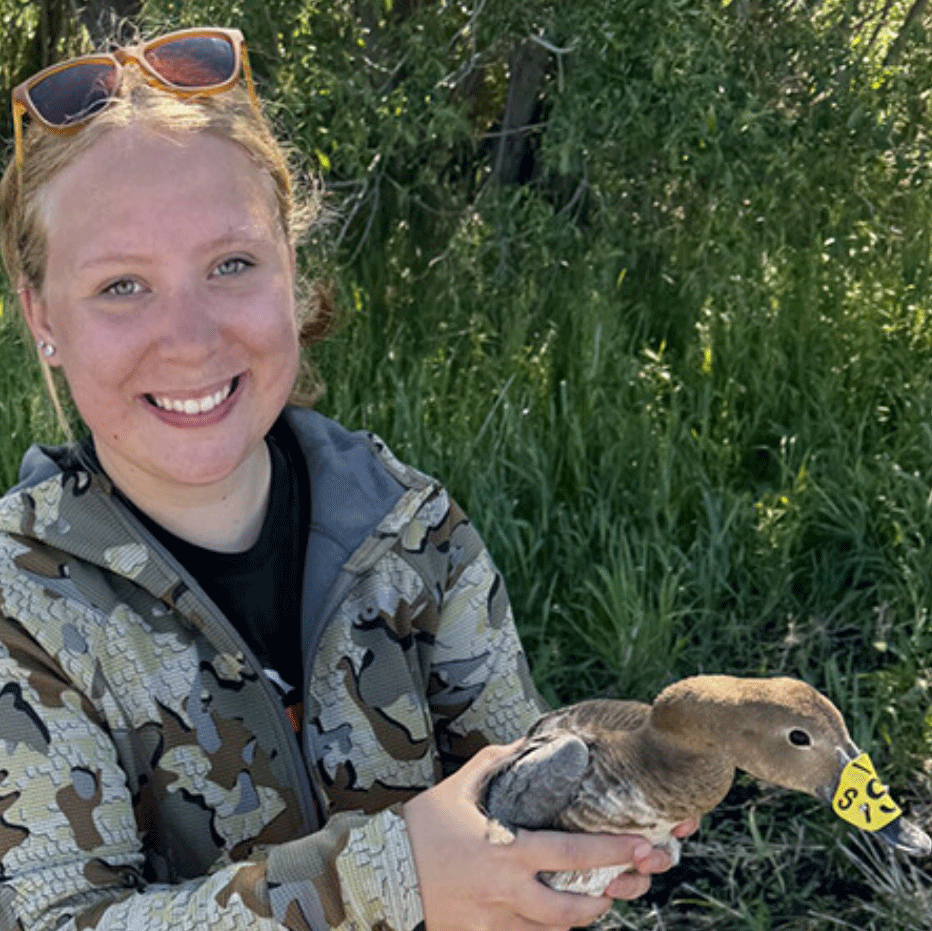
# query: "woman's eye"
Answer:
x=232 y=266
x=122 y=288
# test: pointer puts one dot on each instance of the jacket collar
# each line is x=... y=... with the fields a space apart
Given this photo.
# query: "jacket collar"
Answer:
x=64 y=502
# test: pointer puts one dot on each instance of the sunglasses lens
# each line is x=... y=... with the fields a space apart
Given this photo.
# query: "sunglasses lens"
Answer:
x=73 y=94
x=194 y=61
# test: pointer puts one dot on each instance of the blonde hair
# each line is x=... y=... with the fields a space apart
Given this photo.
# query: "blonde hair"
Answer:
x=229 y=115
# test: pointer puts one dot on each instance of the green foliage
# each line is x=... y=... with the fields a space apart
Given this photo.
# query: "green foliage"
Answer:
x=25 y=415
x=677 y=371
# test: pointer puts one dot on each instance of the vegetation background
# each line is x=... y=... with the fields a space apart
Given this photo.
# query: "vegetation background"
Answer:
x=647 y=282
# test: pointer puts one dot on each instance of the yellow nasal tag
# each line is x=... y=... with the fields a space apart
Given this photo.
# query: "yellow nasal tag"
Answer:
x=861 y=797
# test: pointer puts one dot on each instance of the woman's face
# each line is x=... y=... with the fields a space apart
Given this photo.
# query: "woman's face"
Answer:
x=169 y=296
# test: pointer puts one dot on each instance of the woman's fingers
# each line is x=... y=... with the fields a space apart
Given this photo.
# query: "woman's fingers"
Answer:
x=561 y=850
x=627 y=886
x=541 y=904
x=633 y=856
x=685 y=828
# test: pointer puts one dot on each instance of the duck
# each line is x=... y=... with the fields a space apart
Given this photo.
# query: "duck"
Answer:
x=628 y=767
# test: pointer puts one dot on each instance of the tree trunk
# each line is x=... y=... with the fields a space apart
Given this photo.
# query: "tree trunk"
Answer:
x=915 y=13
x=528 y=68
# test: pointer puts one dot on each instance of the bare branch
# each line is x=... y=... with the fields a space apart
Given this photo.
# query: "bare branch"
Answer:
x=915 y=13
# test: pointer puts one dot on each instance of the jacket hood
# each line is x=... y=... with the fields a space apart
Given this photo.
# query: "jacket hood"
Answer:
x=41 y=463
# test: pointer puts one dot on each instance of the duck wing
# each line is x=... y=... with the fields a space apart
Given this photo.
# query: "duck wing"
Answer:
x=537 y=783
x=566 y=775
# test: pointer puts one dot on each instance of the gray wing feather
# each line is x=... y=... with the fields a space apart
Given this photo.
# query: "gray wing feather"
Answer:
x=538 y=782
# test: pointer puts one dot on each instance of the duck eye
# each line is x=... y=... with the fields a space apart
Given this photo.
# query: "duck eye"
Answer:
x=800 y=738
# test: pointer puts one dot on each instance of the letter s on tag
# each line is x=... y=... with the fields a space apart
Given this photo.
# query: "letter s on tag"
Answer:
x=861 y=797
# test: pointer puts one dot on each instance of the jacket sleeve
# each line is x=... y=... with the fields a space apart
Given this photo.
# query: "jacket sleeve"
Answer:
x=479 y=686
x=72 y=852
x=71 y=855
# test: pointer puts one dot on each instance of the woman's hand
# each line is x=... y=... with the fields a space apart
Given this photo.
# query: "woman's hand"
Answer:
x=633 y=885
x=469 y=883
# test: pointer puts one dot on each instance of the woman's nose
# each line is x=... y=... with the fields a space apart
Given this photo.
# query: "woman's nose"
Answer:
x=188 y=323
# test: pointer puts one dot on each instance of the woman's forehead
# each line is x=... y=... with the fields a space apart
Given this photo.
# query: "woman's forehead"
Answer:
x=135 y=178
x=144 y=157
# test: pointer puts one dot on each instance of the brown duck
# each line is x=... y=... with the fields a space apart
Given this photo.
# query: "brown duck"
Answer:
x=628 y=767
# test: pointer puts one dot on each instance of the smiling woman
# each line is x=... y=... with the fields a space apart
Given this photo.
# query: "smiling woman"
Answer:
x=240 y=646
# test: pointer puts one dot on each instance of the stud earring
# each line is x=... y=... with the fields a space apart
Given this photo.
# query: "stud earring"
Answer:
x=47 y=349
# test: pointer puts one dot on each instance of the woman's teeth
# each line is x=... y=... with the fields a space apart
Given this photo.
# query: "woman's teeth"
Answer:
x=194 y=405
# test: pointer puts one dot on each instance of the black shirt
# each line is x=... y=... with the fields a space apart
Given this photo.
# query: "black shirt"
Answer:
x=259 y=589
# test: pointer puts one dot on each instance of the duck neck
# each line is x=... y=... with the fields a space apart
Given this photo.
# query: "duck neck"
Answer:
x=701 y=777
x=690 y=728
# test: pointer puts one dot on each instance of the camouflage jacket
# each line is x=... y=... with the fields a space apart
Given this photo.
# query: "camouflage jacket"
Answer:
x=149 y=778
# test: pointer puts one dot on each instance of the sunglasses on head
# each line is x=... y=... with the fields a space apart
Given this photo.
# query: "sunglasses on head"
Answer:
x=192 y=62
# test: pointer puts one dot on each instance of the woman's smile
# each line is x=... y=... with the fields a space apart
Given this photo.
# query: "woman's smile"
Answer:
x=191 y=406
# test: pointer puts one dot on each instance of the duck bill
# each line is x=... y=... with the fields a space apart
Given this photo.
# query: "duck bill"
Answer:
x=902 y=834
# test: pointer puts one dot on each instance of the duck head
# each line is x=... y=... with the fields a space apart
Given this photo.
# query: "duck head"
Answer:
x=782 y=731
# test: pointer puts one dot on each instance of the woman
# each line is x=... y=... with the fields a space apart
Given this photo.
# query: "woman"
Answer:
x=245 y=653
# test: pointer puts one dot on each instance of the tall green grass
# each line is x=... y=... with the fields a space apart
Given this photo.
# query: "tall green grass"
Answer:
x=26 y=416
x=755 y=502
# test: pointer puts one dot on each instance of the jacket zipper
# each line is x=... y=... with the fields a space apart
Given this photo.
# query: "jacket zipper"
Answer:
x=309 y=802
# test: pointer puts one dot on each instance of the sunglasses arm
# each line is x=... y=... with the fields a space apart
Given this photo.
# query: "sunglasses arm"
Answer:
x=247 y=74
x=19 y=110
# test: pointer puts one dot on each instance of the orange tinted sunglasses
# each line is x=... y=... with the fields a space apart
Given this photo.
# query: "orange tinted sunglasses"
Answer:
x=188 y=63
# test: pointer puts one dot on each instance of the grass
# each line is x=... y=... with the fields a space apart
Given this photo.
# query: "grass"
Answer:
x=655 y=517
x=25 y=415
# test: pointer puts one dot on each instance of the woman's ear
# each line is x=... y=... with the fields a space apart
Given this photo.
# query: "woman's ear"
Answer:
x=34 y=313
